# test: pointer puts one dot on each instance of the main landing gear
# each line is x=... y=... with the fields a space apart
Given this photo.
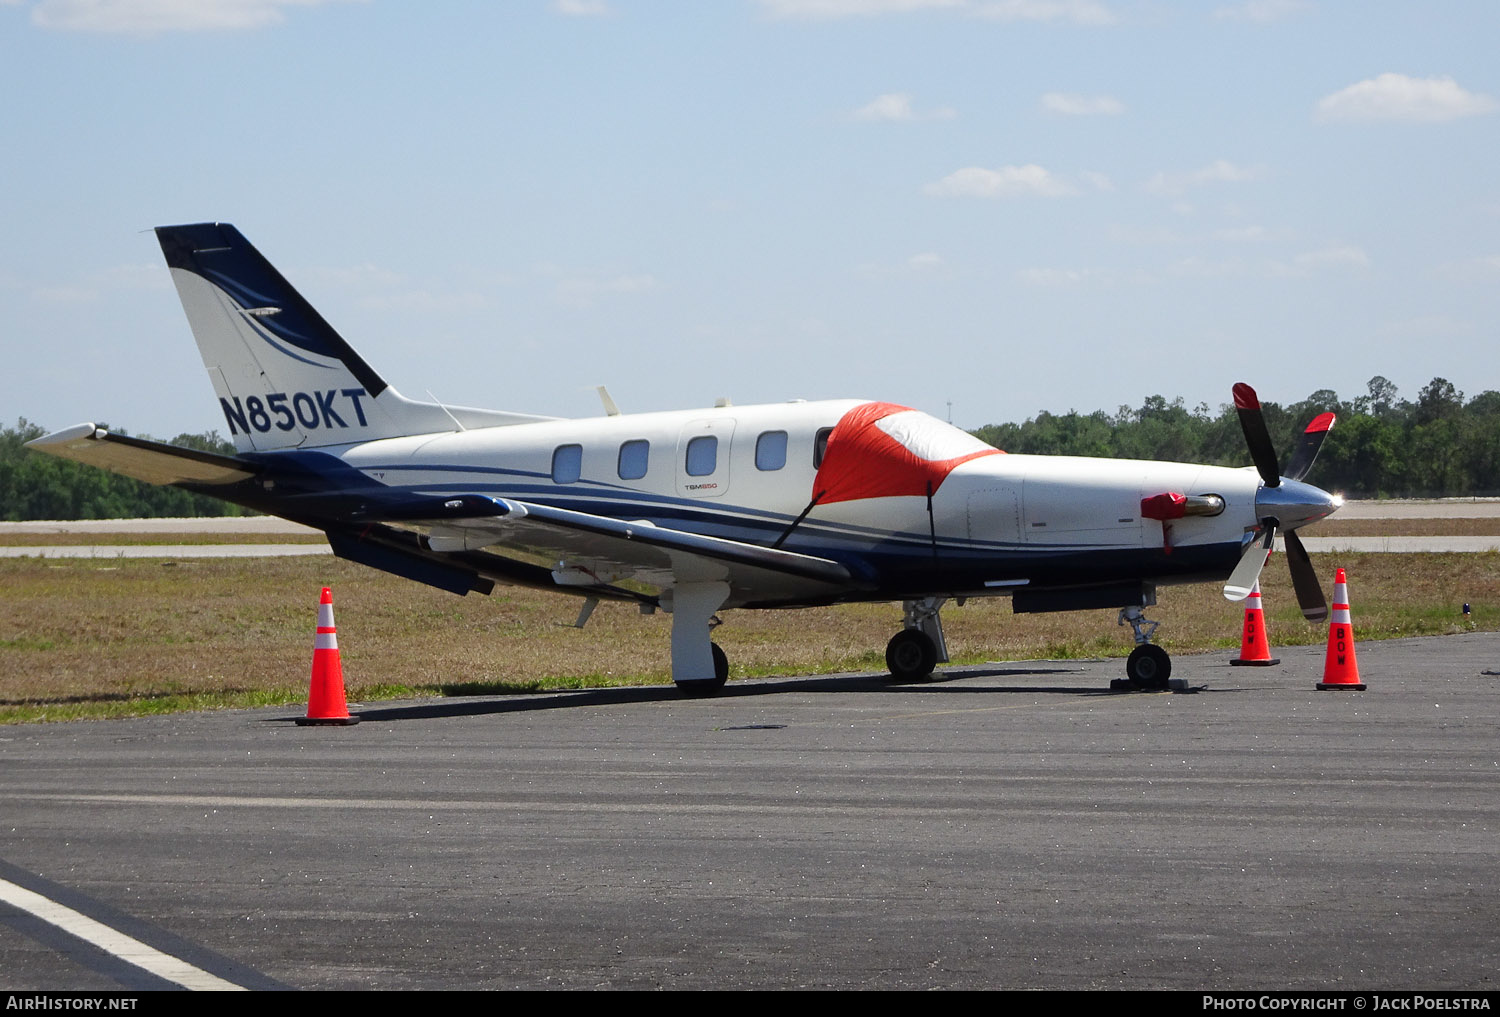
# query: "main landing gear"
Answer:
x=699 y=666
x=913 y=652
x=1148 y=665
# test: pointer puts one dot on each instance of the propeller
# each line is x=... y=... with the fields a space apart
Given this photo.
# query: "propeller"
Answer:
x=1282 y=504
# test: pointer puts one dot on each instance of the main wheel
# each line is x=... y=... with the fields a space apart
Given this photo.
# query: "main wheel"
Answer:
x=910 y=655
x=708 y=686
x=1149 y=666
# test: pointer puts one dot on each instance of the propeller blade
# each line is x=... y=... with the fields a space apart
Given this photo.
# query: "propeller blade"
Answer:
x=1253 y=423
x=1305 y=580
x=1242 y=579
x=1307 y=448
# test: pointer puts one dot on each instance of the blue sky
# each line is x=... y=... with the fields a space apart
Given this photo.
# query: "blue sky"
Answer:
x=1009 y=205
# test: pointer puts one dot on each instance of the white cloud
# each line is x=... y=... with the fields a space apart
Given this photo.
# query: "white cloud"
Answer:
x=1079 y=12
x=1005 y=182
x=105 y=282
x=1242 y=234
x=1332 y=257
x=897 y=106
x=1144 y=236
x=1199 y=268
x=424 y=301
x=1055 y=276
x=580 y=8
x=1399 y=97
x=1300 y=266
x=1074 y=105
x=366 y=276
x=65 y=294
x=152 y=17
x=1221 y=171
x=922 y=263
x=829 y=9
x=892 y=106
x=584 y=290
x=1261 y=11
x=1097 y=180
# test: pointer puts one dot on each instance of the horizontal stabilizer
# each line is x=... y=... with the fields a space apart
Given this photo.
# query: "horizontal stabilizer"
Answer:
x=155 y=462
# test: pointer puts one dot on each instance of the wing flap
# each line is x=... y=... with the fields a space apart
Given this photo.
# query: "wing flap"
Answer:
x=598 y=549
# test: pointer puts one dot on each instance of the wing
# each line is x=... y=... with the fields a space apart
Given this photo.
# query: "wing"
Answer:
x=154 y=462
x=587 y=554
x=595 y=551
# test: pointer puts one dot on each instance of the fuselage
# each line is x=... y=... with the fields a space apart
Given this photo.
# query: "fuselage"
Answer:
x=996 y=524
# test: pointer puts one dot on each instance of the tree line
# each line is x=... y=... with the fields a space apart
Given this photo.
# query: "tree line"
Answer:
x=1383 y=446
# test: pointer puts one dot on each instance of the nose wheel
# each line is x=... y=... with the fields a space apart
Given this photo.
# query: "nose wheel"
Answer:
x=1148 y=666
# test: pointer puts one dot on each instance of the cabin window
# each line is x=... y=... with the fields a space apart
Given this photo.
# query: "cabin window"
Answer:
x=567 y=464
x=634 y=457
x=770 y=450
x=702 y=455
x=820 y=446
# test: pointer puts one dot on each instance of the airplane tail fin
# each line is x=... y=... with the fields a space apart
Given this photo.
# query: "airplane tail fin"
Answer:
x=285 y=378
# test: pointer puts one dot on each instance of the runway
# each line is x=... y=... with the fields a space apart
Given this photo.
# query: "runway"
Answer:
x=1314 y=545
x=1009 y=826
x=1448 y=508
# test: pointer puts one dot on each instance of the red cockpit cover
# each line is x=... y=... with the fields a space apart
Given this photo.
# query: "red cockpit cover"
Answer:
x=880 y=450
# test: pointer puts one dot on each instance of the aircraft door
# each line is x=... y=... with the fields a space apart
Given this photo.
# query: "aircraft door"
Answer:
x=703 y=457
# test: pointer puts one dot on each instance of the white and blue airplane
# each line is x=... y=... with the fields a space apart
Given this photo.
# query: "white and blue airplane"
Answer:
x=693 y=512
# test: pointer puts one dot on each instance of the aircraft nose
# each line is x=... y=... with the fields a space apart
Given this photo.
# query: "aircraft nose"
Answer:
x=1295 y=504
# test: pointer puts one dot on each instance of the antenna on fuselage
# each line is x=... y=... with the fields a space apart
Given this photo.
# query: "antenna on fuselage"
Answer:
x=456 y=422
x=610 y=409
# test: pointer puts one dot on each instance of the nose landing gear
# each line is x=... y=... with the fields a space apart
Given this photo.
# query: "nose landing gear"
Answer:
x=1148 y=666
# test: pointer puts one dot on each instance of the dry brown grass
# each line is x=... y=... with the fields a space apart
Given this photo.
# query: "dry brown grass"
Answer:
x=144 y=632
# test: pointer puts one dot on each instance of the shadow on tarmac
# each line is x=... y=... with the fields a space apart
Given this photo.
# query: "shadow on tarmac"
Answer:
x=872 y=682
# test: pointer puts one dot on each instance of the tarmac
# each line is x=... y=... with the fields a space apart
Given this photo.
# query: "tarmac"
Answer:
x=1007 y=826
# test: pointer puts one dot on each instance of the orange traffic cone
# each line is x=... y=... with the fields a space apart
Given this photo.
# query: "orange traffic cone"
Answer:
x=1340 y=669
x=1255 y=647
x=325 y=699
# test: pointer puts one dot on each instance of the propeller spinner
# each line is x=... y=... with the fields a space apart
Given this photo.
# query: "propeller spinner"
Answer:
x=1282 y=504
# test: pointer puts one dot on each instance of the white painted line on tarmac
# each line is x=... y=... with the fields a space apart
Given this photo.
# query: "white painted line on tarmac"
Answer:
x=132 y=951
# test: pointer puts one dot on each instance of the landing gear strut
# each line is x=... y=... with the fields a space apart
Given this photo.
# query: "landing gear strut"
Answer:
x=913 y=652
x=699 y=666
x=1148 y=665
